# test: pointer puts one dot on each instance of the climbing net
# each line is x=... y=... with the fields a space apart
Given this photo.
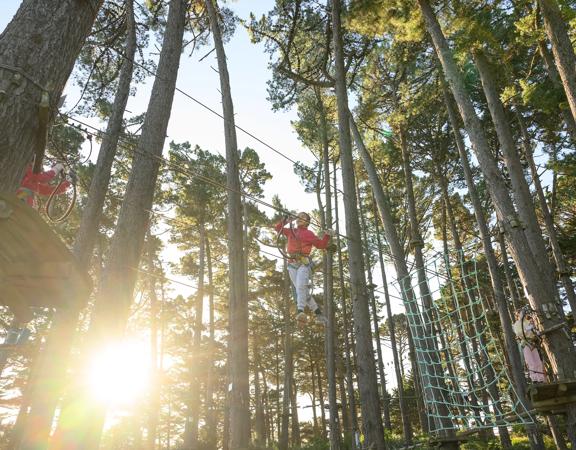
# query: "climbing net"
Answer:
x=463 y=374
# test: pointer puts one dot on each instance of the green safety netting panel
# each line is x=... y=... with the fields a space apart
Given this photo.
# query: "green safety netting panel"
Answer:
x=464 y=377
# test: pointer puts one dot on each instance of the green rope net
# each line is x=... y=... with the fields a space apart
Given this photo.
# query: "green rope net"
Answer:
x=463 y=374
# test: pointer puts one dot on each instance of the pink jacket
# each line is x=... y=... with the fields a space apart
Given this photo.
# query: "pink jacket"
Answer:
x=301 y=240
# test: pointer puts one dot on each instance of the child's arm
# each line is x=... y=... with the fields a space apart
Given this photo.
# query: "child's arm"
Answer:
x=320 y=244
x=280 y=226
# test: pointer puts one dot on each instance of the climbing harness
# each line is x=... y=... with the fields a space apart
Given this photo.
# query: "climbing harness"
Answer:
x=524 y=313
x=294 y=258
x=18 y=80
x=533 y=339
x=69 y=176
x=300 y=260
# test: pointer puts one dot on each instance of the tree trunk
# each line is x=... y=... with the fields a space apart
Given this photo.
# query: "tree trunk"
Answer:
x=431 y=394
x=405 y=417
x=288 y=367
x=321 y=401
x=92 y=212
x=345 y=318
x=211 y=428
x=154 y=400
x=226 y=421
x=38 y=50
x=562 y=49
x=115 y=296
x=238 y=341
x=367 y=385
x=52 y=363
x=521 y=191
x=296 y=440
x=269 y=434
x=556 y=433
x=341 y=375
x=450 y=363
x=479 y=328
x=538 y=286
x=510 y=279
x=557 y=82
x=563 y=269
x=417 y=244
x=259 y=424
x=374 y=310
x=330 y=331
x=280 y=409
x=535 y=437
x=420 y=401
x=314 y=413
x=196 y=362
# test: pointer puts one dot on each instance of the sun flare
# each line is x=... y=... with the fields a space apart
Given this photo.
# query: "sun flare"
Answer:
x=120 y=374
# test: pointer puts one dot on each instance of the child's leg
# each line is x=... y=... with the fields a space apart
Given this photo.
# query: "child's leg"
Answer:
x=293 y=273
x=303 y=276
x=312 y=304
x=535 y=365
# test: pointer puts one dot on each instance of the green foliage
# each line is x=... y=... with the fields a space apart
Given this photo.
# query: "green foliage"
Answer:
x=398 y=19
x=565 y=205
x=99 y=63
x=317 y=443
x=519 y=442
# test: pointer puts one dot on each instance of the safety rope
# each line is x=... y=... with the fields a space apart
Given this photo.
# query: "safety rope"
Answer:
x=49 y=203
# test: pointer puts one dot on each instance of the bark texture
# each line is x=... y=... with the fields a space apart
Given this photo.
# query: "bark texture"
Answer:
x=330 y=331
x=521 y=191
x=53 y=362
x=534 y=435
x=563 y=270
x=115 y=294
x=38 y=49
x=367 y=384
x=562 y=49
x=238 y=312
x=538 y=285
x=557 y=82
x=353 y=419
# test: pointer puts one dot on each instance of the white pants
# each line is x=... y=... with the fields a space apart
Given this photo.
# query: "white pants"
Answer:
x=300 y=277
x=534 y=363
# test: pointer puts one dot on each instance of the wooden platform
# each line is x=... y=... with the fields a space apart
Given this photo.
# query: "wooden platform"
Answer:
x=36 y=268
x=552 y=398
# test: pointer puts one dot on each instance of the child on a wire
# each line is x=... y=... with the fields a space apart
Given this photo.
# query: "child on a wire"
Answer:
x=300 y=243
x=527 y=334
x=34 y=184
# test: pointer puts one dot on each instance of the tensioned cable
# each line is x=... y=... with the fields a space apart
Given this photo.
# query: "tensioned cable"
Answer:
x=161 y=277
x=183 y=223
x=176 y=166
x=213 y=111
x=196 y=175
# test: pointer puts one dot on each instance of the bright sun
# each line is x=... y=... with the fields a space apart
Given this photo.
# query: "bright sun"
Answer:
x=119 y=375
